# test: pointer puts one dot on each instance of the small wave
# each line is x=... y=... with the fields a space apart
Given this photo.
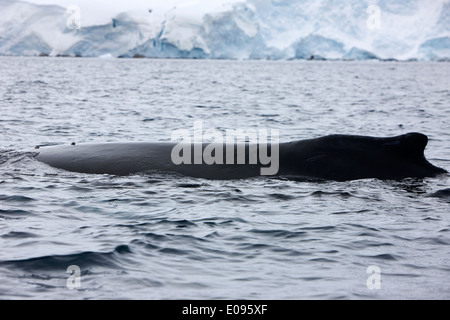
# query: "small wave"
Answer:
x=79 y=189
x=207 y=107
x=173 y=251
x=323 y=260
x=441 y=194
x=18 y=235
x=351 y=212
x=10 y=214
x=190 y=185
x=177 y=223
x=9 y=156
x=320 y=193
x=230 y=196
x=281 y=196
x=15 y=198
x=281 y=233
x=155 y=236
x=362 y=227
x=383 y=256
x=320 y=228
x=61 y=262
x=14 y=211
x=434 y=241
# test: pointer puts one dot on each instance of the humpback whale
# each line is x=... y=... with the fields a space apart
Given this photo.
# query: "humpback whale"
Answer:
x=333 y=157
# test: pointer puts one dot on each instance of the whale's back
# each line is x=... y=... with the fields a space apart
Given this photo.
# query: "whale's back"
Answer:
x=333 y=157
x=349 y=157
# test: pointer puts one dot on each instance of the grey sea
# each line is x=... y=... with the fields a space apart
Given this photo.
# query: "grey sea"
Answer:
x=66 y=235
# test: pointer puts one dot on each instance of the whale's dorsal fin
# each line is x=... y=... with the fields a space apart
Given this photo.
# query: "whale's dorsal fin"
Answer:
x=411 y=145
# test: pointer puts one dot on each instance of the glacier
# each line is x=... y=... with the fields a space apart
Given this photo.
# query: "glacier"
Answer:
x=227 y=29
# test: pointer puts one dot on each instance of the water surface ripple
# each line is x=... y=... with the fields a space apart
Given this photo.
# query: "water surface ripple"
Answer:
x=169 y=237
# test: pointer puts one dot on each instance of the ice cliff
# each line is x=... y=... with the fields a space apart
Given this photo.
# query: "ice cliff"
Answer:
x=240 y=29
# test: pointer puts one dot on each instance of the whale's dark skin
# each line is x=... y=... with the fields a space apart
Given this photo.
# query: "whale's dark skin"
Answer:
x=334 y=157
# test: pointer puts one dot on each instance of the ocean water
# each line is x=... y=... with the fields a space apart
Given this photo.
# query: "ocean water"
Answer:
x=160 y=236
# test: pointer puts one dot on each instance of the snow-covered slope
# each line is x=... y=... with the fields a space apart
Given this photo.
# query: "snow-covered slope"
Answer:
x=234 y=29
